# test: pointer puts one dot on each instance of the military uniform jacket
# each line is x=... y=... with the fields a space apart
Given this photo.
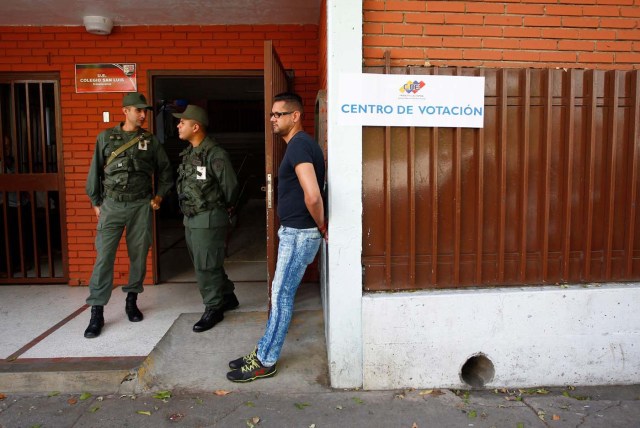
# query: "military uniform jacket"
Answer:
x=206 y=181
x=128 y=176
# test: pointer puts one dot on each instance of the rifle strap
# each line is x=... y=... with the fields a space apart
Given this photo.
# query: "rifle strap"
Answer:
x=122 y=148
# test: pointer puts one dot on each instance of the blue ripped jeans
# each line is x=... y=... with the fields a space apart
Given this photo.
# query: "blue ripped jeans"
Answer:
x=297 y=249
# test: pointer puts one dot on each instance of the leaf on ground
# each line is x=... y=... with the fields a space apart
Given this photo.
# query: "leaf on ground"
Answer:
x=72 y=401
x=144 y=412
x=94 y=409
x=520 y=425
x=302 y=405
x=472 y=414
x=199 y=400
x=399 y=396
x=432 y=392
x=162 y=395
x=176 y=417
x=249 y=404
x=541 y=414
x=555 y=417
x=221 y=392
x=312 y=426
x=2 y=396
x=84 y=396
x=357 y=400
x=339 y=407
x=51 y=394
x=36 y=426
x=251 y=423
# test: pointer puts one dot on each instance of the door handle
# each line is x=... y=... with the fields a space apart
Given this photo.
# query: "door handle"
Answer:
x=269 y=191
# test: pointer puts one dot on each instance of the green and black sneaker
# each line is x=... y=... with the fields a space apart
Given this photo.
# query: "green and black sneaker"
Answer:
x=236 y=364
x=252 y=370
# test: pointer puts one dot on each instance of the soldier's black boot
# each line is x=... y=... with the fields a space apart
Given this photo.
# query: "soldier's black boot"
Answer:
x=131 y=308
x=96 y=323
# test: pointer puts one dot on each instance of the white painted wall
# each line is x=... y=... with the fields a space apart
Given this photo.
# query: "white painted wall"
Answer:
x=342 y=287
x=547 y=336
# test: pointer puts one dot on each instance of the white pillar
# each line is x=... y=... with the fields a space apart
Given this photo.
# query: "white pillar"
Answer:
x=343 y=291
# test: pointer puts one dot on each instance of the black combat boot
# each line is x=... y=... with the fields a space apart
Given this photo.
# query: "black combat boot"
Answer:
x=210 y=318
x=96 y=323
x=131 y=308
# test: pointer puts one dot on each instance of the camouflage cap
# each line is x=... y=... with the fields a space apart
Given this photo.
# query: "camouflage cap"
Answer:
x=135 y=99
x=196 y=113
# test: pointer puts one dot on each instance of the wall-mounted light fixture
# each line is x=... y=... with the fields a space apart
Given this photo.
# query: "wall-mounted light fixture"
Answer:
x=100 y=25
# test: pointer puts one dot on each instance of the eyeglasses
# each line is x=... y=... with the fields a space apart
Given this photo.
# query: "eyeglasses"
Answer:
x=277 y=114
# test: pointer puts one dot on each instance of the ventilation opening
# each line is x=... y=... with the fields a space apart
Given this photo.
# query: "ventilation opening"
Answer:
x=477 y=371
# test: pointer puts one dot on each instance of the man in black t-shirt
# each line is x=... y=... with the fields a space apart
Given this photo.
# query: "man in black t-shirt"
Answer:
x=302 y=228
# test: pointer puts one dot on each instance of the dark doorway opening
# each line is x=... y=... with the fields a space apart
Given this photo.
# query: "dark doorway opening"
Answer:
x=236 y=120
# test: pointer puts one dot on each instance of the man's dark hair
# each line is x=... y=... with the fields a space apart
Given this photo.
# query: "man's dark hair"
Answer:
x=292 y=100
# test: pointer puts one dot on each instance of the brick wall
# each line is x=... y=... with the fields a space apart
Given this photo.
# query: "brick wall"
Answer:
x=602 y=34
x=57 y=49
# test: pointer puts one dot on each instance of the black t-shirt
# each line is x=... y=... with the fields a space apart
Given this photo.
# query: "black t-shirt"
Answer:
x=292 y=210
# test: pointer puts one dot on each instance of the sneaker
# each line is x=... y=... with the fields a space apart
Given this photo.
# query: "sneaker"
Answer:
x=251 y=371
x=236 y=364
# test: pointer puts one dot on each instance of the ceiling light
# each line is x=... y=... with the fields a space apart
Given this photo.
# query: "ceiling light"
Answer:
x=98 y=25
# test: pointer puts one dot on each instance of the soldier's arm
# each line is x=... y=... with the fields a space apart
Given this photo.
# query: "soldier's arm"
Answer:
x=164 y=171
x=226 y=176
x=93 y=186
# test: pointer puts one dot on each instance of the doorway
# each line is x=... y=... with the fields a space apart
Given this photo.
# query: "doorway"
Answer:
x=235 y=103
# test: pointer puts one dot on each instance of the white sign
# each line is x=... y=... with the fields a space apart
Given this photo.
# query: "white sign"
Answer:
x=410 y=100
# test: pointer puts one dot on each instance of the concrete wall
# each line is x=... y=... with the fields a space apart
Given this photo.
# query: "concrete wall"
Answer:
x=342 y=290
x=533 y=336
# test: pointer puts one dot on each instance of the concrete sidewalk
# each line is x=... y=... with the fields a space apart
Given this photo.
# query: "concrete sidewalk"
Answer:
x=581 y=407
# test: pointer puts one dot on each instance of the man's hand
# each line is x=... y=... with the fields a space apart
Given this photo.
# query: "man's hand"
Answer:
x=155 y=202
x=96 y=209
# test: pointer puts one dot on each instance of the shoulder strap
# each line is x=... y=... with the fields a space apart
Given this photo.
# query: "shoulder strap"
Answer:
x=122 y=148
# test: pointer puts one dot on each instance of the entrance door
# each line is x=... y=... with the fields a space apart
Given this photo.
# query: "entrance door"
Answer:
x=32 y=234
x=276 y=80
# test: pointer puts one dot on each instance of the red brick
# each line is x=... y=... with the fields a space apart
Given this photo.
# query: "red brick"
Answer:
x=618 y=23
x=595 y=57
x=558 y=56
x=461 y=42
x=525 y=9
x=564 y=10
x=542 y=21
x=424 y=18
x=503 y=20
x=443 y=30
x=414 y=6
x=445 y=6
x=373 y=5
x=402 y=29
x=422 y=41
x=474 y=31
x=463 y=19
x=485 y=8
x=382 y=41
x=576 y=45
x=383 y=17
x=581 y=22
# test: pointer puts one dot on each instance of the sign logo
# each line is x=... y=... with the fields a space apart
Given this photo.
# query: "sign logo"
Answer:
x=412 y=87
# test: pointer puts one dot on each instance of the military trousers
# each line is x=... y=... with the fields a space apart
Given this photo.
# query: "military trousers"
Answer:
x=205 y=235
x=115 y=218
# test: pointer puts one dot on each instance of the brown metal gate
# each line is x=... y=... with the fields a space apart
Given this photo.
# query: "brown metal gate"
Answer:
x=546 y=193
x=32 y=235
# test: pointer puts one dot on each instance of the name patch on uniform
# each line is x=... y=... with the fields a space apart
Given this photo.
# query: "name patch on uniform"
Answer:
x=142 y=145
x=202 y=172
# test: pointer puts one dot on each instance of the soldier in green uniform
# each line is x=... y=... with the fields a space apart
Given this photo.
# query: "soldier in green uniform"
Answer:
x=207 y=188
x=120 y=188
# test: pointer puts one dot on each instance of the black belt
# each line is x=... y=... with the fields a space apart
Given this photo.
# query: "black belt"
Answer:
x=125 y=197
